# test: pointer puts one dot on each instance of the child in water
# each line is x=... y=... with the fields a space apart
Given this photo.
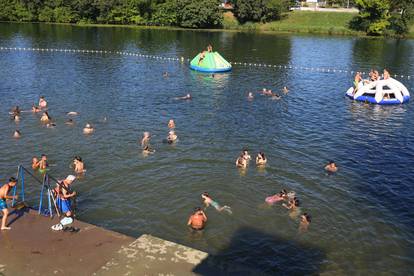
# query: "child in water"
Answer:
x=78 y=164
x=171 y=124
x=35 y=163
x=305 y=220
x=331 y=167
x=209 y=201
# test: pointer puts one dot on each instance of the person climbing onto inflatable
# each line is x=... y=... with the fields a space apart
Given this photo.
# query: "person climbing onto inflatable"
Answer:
x=207 y=200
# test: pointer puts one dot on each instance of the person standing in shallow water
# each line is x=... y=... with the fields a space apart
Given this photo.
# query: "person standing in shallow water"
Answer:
x=4 y=190
x=197 y=220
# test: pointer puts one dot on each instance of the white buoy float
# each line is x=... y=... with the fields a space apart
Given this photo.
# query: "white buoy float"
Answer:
x=389 y=91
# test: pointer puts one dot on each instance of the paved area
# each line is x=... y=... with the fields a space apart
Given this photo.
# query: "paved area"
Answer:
x=32 y=248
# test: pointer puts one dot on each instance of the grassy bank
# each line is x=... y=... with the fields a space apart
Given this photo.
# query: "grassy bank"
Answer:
x=309 y=22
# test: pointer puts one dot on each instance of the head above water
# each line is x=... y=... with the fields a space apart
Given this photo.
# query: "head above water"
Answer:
x=205 y=194
x=306 y=217
x=77 y=158
x=12 y=180
x=197 y=209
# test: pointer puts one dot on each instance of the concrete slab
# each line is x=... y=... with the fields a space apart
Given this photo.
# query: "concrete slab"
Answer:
x=32 y=248
x=149 y=255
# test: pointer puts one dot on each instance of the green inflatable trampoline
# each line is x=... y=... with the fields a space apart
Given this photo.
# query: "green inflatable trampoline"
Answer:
x=212 y=62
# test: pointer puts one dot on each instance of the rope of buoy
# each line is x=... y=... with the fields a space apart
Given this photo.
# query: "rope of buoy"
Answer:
x=182 y=60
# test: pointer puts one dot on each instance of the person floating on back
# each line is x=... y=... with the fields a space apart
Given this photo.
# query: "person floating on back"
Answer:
x=4 y=190
x=209 y=201
x=197 y=220
x=331 y=167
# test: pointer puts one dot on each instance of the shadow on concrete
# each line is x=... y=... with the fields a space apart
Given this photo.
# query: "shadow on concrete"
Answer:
x=254 y=252
x=17 y=214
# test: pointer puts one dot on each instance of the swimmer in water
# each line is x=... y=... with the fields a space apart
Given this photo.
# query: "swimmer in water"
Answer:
x=16 y=118
x=207 y=200
x=17 y=134
x=36 y=109
x=171 y=124
x=35 y=163
x=250 y=96
x=305 y=220
x=172 y=137
x=292 y=205
x=45 y=117
x=282 y=195
x=43 y=164
x=261 y=159
x=186 y=97
x=246 y=155
x=241 y=162
x=15 y=110
x=147 y=150
x=78 y=165
x=42 y=102
x=331 y=167
x=197 y=220
x=266 y=92
x=165 y=75
x=146 y=137
x=285 y=90
x=88 y=129
x=70 y=122
x=275 y=96
x=4 y=190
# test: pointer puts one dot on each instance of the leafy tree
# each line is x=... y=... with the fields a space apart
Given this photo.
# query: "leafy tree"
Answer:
x=403 y=14
x=166 y=13
x=260 y=10
x=199 y=14
x=373 y=17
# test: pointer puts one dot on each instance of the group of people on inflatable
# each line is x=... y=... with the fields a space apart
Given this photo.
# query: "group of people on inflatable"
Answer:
x=372 y=76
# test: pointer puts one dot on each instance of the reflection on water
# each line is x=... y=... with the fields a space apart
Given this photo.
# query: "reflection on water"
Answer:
x=362 y=219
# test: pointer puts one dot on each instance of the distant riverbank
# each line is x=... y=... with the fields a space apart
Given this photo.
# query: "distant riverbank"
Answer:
x=299 y=22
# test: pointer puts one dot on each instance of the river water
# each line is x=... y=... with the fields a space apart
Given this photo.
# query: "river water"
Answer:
x=362 y=215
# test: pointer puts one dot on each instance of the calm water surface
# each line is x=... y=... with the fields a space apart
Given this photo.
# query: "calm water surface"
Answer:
x=362 y=216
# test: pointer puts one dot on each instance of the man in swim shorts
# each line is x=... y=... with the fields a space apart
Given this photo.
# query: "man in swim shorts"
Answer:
x=64 y=194
x=197 y=220
x=4 y=190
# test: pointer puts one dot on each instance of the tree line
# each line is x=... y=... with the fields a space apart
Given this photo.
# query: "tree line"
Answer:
x=182 y=13
x=376 y=17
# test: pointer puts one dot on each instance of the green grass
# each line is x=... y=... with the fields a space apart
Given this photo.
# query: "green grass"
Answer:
x=313 y=22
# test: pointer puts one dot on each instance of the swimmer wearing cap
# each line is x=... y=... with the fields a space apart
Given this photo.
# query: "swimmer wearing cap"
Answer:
x=64 y=193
